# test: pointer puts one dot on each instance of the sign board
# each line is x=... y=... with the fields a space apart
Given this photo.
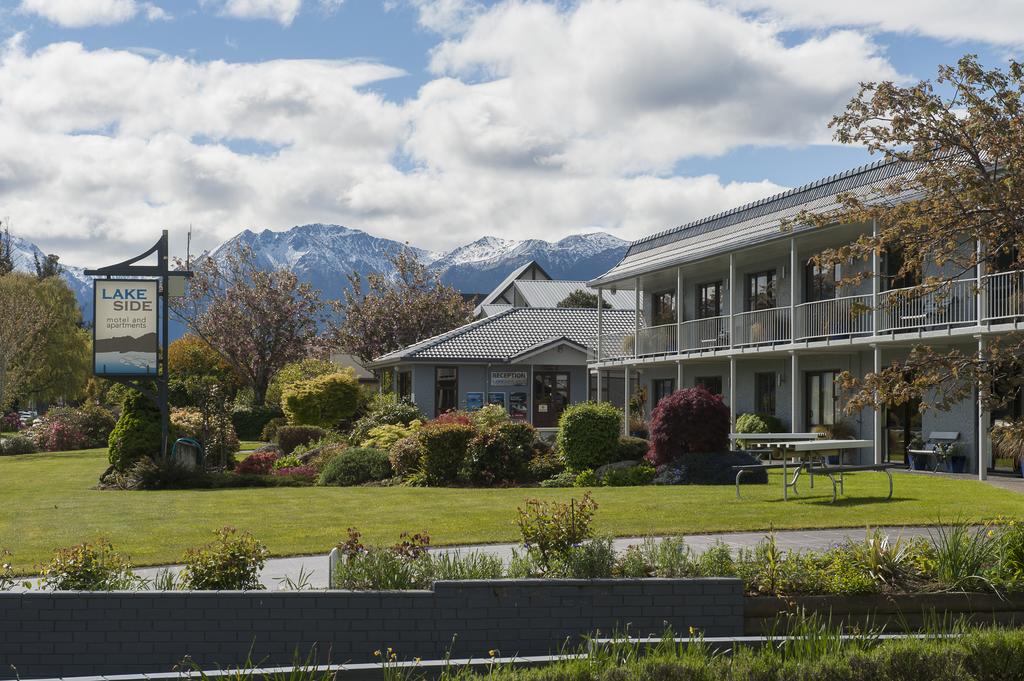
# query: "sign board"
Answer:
x=125 y=340
x=506 y=378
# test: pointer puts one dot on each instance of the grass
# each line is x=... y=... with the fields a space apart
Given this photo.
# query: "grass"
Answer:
x=47 y=501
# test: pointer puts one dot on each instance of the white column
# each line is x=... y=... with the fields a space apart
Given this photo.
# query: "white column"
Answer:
x=600 y=331
x=979 y=273
x=732 y=394
x=795 y=419
x=680 y=297
x=625 y=405
x=394 y=380
x=599 y=385
x=878 y=431
x=732 y=298
x=792 y=288
x=984 y=418
x=875 y=285
x=679 y=374
x=636 y=317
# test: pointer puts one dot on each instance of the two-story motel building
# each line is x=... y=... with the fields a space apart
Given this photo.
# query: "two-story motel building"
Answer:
x=733 y=302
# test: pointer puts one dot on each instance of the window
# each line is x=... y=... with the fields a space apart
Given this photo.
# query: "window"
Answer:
x=892 y=263
x=761 y=290
x=709 y=300
x=446 y=389
x=713 y=384
x=662 y=387
x=819 y=282
x=663 y=308
x=821 y=398
x=764 y=392
x=405 y=384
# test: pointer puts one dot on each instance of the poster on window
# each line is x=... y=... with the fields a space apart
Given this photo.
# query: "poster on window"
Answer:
x=497 y=398
x=518 y=408
x=125 y=327
x=474 y=401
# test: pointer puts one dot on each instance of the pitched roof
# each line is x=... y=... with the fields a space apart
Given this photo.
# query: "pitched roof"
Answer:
x=549 y=293
x=500 y=288
x=748 y=224
x=512 y=332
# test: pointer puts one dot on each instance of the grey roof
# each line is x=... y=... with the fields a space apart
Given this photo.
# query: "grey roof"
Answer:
x=491 y=310
x=515 y=274
x=549 y=293
x=748 y=224
x=512 y=332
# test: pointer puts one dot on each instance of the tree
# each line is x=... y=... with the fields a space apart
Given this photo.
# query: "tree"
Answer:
x=961 y=143
x=6 y=252
x=23 y=318
x=194 y=367
x=582 y=298
x=257 y=320
x=293 y=372
x=394 y=313
x=48 y=267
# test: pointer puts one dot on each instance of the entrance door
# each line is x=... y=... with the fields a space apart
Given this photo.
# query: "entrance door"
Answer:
x=550 y=397
x=902 y=425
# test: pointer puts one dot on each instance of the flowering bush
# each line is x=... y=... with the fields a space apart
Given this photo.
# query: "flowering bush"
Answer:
x=308 y=472
x=405 y=455
x=17 y=444
x=11 y=423
x=261 y=463
x=66 y=428
x=459 y=417
x=688 y=420
x=60 y=436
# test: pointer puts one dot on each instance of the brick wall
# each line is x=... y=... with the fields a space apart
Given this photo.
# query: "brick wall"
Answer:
x=75 y=634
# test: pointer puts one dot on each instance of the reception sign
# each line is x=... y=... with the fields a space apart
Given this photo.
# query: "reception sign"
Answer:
x=125 y=330
x=508 y=377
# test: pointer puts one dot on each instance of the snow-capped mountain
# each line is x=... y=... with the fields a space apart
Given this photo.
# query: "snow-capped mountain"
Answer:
x=24 y=254
x=324 y=255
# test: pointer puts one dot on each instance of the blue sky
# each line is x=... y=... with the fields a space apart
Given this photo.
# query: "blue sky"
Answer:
x=437 y=121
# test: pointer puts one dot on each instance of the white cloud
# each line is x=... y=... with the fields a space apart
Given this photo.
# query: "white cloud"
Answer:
x=540 y=121
x=331 y=6
x=156 y=13
x=446 y=16
x=80 y=13
x=992 y=21
x=281 y=11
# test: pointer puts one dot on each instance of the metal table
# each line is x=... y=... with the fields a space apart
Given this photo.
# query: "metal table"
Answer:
x=808 y=452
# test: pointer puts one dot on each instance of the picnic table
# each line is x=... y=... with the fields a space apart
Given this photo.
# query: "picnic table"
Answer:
x=810 y=455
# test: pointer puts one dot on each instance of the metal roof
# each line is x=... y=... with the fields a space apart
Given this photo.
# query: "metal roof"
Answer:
x=748 y=224
x=512 y=332
x=541 y=293
x=500 y=288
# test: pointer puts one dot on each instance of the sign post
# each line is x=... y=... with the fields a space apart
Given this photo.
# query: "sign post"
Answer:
x=131 y=326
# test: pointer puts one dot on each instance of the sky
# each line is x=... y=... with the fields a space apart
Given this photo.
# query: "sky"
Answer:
x=437 y=122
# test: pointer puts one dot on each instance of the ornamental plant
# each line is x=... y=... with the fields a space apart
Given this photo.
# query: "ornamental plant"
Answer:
x=356 y=466
x=260 y=463
x=405 y=455
x=382 y=437
x=10 y=423
x=445 y=448
x=137 y=433
x=291 y=437
x=322 y=401
x=757 y=423
x=688 y=420
x=550 y=529
x=501 y=454
x=231 y=562
x=384 y=410
x=89 y=567
x=588 y=435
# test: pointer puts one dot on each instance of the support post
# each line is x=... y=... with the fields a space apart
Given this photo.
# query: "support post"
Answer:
x=979 y=273
x=599 y=384
x=795 y=421
x=679 y=374
x=875 y=285
x=984 y=445
x=732 y=298
x=636 y=317
x=625 y=404
x=792 y=288
x=165 y=406
x=599 y=344
x=877 y=353
x=680 y=297
x=732 y=394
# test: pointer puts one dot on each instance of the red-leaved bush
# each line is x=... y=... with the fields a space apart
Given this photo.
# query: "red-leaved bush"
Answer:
x=688 y=420
x=261 y=463
x=306 y=471
x=459 y=417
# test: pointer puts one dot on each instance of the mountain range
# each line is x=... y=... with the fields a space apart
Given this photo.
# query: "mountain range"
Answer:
x=323 y=255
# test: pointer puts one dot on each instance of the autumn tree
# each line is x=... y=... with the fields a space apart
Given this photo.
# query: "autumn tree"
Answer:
x=257 y=320
x=582 y=298
x=194 y=366
x=959 y=143
x=391 y=313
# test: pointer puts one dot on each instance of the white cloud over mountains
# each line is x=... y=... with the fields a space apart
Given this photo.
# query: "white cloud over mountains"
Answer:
x=79 y=13
x=538 y=121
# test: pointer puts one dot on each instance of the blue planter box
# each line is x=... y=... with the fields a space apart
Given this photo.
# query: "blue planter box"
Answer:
x=956 y=464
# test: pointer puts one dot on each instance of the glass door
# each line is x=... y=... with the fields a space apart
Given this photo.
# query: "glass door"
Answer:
x=550 y=397
x=902 y=426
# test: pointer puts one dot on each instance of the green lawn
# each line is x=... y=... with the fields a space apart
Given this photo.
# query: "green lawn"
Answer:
x=47 y=501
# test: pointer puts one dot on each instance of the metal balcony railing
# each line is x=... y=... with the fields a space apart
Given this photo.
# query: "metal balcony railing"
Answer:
x=952 y=304
x=710 y=333
x=1004 y=296
x=839 y=317
x=761 y=326
x=657 y=340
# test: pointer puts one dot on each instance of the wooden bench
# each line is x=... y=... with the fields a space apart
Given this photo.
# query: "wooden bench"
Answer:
x=831 y=472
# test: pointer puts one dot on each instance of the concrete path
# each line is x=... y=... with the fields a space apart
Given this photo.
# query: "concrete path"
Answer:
x=278 y=569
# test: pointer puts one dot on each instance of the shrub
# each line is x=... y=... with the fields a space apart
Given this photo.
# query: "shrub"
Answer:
x=159 y=473
x=689 y=420
x=249 y=422
x=594 y=559
x=629 y=477
x=551 y=528
x=384 y=409
x=460 y=417
x=190 y=422
x=269 y=432
x=632 y=448
x=137 y=433
x=757 y=423
x=445 y=448
x=700 y=468
x=356 y=466
x=296 y=372
x=545 y=463
x=588 y=434
x=66 y=428
x=10 y=423
x=232 y=562
x=260 y=463
x=17 y=444
x=58 y=436
x=322 y=401
x=405 y=455
x=287 y=461
x=290 y=437
x=306 y=472
x=490 y=416
x=563 y=479
x=89 y=567
x=382 y=437
x=501 y=454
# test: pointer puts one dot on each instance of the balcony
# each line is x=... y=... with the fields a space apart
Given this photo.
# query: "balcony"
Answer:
x=952 y=305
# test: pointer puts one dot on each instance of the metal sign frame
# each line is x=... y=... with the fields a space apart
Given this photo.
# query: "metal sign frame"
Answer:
x=142 y=375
